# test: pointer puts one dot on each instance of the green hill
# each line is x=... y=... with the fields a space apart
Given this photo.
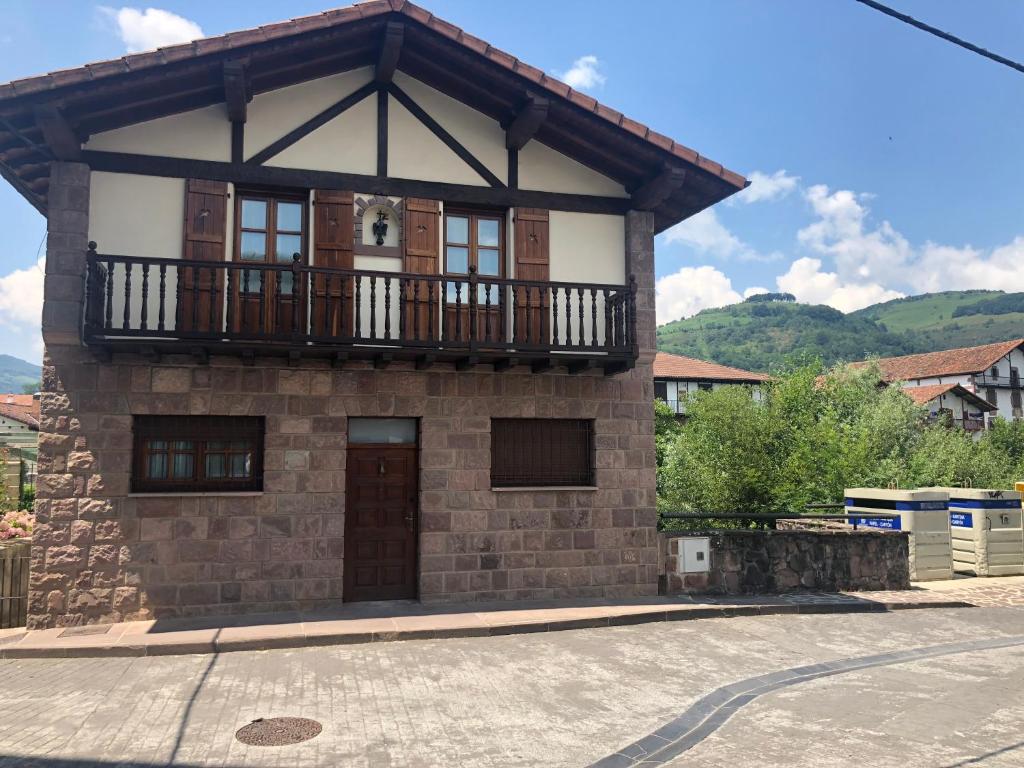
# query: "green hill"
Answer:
x=760 y=335
x=17 y=374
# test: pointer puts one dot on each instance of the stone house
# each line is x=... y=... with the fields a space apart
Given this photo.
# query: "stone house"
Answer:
x=354 y=306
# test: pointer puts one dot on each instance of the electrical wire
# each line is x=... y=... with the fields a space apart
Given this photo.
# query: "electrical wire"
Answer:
x=944 y=35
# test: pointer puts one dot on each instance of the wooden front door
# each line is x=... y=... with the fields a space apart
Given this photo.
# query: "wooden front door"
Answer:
x=380 y=522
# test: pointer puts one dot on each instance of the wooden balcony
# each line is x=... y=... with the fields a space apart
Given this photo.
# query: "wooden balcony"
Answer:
x=157 y=306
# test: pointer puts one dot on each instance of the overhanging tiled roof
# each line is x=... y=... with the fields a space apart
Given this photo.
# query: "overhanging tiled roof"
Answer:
x=142 y=86
x=23 y=408
x=669 y=366
x=947 y=362
x=926 y=393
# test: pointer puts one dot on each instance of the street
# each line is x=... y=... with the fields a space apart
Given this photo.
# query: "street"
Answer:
x=570 y=698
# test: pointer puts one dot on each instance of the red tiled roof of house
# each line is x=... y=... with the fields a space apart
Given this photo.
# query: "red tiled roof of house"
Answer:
x=668 y=366
x=947 y=362
x=927 y=392
x=23 y=408
x=340 y=16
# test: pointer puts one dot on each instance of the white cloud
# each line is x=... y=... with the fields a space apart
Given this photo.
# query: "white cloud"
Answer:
x=806 y=280
x=690 y=290
x=21 y=310
x=754 y=291
x=143 y=30
x=584 y=73
x=708 y=236
x=764 y=187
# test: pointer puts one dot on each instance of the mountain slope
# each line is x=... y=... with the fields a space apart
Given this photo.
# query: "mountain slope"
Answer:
x=16 y=373
x=759 y=336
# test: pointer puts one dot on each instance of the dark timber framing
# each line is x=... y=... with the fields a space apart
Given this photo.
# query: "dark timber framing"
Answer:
x=390 y=50
x=657 y=190
x=382 y=132
x=58 y=133
x=249 y=173
x=312 y=124
x=450 y=141
x=525 y=124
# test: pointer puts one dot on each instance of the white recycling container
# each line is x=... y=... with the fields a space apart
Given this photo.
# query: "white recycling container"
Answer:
x=922 y=513
x=988 y=535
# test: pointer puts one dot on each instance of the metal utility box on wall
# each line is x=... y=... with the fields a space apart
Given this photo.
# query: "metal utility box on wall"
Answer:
x=988 y=535
x=922 y=513
x=694 y=555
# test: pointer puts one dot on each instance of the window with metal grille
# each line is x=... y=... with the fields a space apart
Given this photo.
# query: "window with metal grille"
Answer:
x=197 y=453
x=542 y=452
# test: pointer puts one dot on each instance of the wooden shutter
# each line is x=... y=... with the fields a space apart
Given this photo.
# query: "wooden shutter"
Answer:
x=333 y=312
x=205 y=235
x=533 y=262
x=421 y=235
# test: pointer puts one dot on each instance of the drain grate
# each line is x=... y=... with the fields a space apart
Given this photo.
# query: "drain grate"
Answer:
x=278 y=731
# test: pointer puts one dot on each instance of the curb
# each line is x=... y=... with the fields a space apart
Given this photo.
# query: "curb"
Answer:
x=134 y=649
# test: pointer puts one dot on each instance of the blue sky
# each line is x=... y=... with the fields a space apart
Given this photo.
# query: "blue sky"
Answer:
x=885 y=161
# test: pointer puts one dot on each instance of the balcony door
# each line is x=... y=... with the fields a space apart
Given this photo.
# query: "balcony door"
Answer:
x=474 y=241
x=270 y=229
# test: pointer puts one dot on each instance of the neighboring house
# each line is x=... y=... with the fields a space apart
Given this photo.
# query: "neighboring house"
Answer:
x=676 y=376
x=991 y=371
x=953 y=403
x=370 y=315
x=19 y=438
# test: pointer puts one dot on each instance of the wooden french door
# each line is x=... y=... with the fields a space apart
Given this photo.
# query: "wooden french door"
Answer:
x=473 y=241
x=270 y=229
x=380 y=522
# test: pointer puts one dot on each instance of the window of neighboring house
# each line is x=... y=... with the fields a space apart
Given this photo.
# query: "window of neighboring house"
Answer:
x=477 y=240
x=197 y=453
x=1014 y=377
x=661 y=390
x=705 y=386
x=542 y=452
x=995 y=372
x=270 y=229
x=990 y=395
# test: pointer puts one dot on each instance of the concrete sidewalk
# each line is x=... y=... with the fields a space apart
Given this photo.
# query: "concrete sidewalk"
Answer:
x=407 y=620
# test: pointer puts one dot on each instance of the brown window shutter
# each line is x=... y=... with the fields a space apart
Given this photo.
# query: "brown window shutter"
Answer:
x=204 y=240
x=421 y=234
x=533 y=262
x=333 y=233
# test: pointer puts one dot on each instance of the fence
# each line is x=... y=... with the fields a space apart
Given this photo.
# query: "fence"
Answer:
x=14 y=567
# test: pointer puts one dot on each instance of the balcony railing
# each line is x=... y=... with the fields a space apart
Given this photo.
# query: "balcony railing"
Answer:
x=988 y=380
x=171 y=305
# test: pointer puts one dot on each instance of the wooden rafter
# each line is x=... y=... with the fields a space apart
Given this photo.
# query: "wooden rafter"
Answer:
x=390 y=50
x=658 y=189
x=312 y=124
x=237 y=92
x=57 y=132
x=450 y=141
x=526 y=122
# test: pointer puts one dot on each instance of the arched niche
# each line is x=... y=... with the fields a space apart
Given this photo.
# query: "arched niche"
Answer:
x=367 y=212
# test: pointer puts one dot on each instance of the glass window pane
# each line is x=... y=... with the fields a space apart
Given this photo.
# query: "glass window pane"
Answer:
x=240 y=464
x=457 y=259
x=457 y=293
x=288 y=246
x=182 y=445
x=157 y=469
x=287 y=279
x=254 y=246
x=158 y=445
x=489 y=262
x=184 y=465
x=254 y=214
x=487 y=232
x=381 y=430
x=483 y=290
x=289 y=217
x=458 y=229
x=216 y=446
x=214 y=466
x=249 y=282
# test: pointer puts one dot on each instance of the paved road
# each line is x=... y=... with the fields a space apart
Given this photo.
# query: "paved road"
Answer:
x=559 y=699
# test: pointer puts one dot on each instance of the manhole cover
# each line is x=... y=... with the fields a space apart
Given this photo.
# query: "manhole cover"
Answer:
x=278 y=731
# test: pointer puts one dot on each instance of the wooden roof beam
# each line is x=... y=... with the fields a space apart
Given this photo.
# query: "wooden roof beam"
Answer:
x=390 y=50
x=657 y=190
x=57 y=132
x=237 y=90
x=525 y=124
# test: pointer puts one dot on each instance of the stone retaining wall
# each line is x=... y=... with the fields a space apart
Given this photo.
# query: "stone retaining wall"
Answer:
x=764 y=562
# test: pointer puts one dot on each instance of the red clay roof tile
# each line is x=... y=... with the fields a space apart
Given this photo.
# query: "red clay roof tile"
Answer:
x=669 y=366
x=947 y=362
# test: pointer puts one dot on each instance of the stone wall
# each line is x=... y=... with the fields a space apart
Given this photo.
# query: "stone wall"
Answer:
x=102 y=554
x=766 y=562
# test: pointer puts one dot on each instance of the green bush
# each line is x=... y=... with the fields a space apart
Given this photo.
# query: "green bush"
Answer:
x=814 y=433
